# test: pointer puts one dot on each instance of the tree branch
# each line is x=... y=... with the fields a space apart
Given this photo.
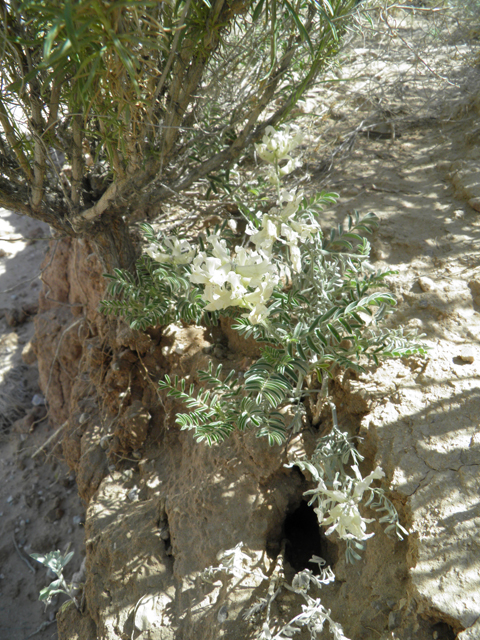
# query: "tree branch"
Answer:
x=77 y=160
x=14 y=142
x=39 y=158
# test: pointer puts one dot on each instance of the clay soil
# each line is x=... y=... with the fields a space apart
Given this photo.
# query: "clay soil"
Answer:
x=395 y=129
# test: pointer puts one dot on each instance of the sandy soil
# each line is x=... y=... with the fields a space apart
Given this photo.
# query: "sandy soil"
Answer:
x=39 y=507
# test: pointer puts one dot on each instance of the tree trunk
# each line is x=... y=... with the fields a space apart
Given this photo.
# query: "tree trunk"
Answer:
x=113 y=242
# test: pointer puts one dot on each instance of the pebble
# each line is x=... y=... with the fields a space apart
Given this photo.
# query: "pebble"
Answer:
x=219 y=353
x=165 y=533
x=38 y=400
x=104 y=442
x=426 y=284
x=133 y=494
x=222 y=614
x=467 y=355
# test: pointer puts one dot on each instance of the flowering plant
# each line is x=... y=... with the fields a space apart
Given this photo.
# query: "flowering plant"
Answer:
x=313 y=303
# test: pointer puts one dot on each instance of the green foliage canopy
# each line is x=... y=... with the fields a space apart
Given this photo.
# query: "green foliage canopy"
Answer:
x=152 y=95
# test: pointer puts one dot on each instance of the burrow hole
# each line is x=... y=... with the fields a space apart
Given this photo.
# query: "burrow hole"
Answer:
x=305 y=539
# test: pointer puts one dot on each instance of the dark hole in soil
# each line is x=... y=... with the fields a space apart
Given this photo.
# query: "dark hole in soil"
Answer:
x=443 y=631
x=304 y=539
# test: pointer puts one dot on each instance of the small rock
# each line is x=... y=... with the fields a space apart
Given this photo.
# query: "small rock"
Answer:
x=394 y=619
x=467 y=355
x=28 y=354
x=222 y=614
x=54 y=514
x=474 y=203
x=219 y=353
x=426 y=284
x=38 y=400
x=30 y=308
x=165 y=533
x=133 y=494
x=14 y=317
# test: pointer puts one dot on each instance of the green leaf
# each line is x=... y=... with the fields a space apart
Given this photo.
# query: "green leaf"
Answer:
x=323 y=318
x=258 y=10
x=301 y=29
x=334 y=332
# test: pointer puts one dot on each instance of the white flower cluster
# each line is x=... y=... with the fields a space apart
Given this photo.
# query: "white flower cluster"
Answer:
x=245 y=280
x=280 y=224
x=342 y=504
x=275 y=149
x=246 y=277
x=178 y=251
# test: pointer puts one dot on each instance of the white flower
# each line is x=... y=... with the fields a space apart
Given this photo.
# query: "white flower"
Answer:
x=342 y=504
x=180 y=251
x=364 y=483
x=217 y=297
x=295 y=258
x=289 y=202
x=276 y=145
x=347 y=521
x=267 y=235
x=219 y=247
x=303 y=229
x=209 y=270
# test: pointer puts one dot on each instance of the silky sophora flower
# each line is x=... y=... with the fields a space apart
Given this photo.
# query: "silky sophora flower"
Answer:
x=275 y=149
x=246 y=279
x=279 y=225
x=276 y=145
x=179 y=251
x=342 y=504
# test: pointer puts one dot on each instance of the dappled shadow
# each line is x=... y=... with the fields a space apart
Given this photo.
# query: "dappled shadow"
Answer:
x=146 y=535
x=19 y=288
x=432 y=456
